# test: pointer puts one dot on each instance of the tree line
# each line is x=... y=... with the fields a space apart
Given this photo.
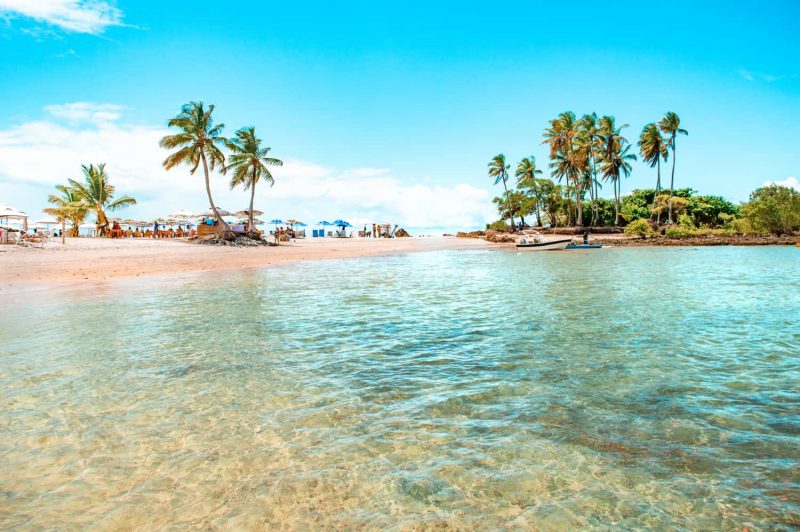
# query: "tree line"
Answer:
x=585 y=154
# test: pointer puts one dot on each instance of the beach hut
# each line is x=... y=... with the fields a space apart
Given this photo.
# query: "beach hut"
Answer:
x=8 y=213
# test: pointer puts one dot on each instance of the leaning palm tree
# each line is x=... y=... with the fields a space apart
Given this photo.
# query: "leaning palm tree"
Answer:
x=567 y=161
x=653 y=148
x=67 y=207
x=670 y=125
x=197 y=141
x=249 y=163
x=526 y=178
x=498 y=169
x=98 y=194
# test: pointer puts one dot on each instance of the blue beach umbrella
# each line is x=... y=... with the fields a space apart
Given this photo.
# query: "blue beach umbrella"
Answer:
x=276 y=222
x=341 y=223
x=324 y=223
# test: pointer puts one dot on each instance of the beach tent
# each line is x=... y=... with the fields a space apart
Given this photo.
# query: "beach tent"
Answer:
x=10 y=213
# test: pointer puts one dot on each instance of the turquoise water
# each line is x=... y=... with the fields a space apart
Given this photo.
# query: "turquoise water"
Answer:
x=621 y=387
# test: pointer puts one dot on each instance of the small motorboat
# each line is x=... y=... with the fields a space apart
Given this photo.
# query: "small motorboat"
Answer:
x=551 y=245
x=584 y=246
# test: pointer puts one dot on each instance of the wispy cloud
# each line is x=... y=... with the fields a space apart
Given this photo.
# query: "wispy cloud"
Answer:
x=790 y=182
x=764 y=77
x=41 y=153
x=80 y=16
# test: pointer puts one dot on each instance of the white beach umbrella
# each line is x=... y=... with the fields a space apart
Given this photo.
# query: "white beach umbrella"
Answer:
x=209 y=212
x=182 y=214
x=47 y=221
x=245 y=213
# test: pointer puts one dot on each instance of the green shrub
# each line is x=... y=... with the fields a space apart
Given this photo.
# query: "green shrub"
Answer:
x=679 y=231
x=773 y=209
x=499 y=225
x=640 y=228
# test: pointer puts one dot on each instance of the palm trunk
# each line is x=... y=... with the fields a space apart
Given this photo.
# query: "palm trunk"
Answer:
x=578 y=205
x=538 y=216
x=658 y=189
x=616 y=201
x=210 y=199
x=63 y=232
x=252 y=197
x=510 y=213
x=672 y=180
x=102 y=222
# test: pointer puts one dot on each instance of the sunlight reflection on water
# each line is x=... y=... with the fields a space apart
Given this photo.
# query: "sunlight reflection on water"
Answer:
x=629 y=387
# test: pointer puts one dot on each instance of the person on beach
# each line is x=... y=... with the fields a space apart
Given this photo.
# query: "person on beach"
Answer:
x=155 y=229
x=586 y=237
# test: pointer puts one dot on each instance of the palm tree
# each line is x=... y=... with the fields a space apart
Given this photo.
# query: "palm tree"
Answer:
x=670 y=125
x=615 y=166
x=653 y=148
x=198 y=140
x=611 y=144
x=249 y=163
x=498 y=169
x=68 y=207
x=567 y=161
x=589 y=140
x=98 y=194
x=526 y=177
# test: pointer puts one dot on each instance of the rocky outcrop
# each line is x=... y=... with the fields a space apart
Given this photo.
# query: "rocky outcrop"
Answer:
x=709 y=240
x=471 y=234
x=498 y=237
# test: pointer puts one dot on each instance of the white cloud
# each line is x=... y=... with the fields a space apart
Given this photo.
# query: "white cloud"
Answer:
x=86 y=111
x=790 y=182
x=81 y=16
x=40 y=154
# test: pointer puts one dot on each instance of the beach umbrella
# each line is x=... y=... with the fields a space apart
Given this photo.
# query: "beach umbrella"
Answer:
x=341 y=223
x=276 y=222
x=181 y=214
x=47 y=221
x=324 y=223
x=245 y=213
x=209 y=212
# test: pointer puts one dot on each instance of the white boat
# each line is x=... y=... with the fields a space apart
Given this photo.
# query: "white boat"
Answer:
x=551 y=245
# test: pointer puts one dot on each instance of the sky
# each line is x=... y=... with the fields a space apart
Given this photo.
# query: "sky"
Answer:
x=388 y=110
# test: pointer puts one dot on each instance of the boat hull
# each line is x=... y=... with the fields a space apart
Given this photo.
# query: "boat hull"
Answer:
x=553 y=245
x=584 y=246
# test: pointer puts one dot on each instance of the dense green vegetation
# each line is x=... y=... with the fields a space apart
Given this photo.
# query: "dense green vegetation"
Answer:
x=589 y=153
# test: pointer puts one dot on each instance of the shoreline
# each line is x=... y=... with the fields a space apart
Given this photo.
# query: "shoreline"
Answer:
x=83 y=260
x=621 y=240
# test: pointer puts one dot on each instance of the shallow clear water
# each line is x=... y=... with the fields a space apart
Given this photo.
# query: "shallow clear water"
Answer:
x=620 y=387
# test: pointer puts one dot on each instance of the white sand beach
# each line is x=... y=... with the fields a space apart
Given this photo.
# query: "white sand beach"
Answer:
x=92 y=259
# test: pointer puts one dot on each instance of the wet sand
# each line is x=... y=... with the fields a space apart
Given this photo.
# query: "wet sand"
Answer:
x=92 y=259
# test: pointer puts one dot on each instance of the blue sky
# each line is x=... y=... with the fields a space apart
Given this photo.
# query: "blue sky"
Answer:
x=389 y=111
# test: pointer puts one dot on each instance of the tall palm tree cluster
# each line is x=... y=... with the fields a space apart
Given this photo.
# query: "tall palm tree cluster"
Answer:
x=95 y=194
x=585 y=153
x=199 y=141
